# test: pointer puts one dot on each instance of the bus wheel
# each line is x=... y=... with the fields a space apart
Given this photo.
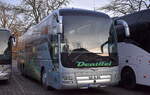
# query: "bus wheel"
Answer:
x=128 y=79
x=43 y=79
x=7 y=81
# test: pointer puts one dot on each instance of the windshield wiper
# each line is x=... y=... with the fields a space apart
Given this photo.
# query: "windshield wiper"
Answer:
x=102 y=46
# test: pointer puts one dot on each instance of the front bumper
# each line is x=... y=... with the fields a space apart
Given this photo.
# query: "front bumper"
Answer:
x=87 y=80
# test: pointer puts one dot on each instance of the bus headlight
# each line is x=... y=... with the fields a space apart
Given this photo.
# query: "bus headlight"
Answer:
x=105 y=77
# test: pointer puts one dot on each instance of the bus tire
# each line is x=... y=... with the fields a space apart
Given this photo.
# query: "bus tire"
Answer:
x=7 y=81
x=128 y=79
x=43 y=81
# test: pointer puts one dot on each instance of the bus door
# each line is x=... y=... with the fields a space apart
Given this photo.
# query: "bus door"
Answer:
x=54 y=74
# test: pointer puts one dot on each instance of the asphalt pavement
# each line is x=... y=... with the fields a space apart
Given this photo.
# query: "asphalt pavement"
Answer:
x=20 y=85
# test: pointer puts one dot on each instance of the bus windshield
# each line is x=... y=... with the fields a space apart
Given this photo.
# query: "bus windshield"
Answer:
x=82 y=40
x=5 y=43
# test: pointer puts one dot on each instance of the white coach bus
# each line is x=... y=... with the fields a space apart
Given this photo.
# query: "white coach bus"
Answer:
x=71 y=48
x=134 y=51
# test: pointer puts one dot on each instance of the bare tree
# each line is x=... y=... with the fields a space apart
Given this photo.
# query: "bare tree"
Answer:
x=9 y=17
x=4 y=15
x=29 y=12
x=123 y=7
x=38 y=9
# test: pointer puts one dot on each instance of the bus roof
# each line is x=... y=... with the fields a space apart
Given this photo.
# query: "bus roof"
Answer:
x=75 y=11
x=4 y=29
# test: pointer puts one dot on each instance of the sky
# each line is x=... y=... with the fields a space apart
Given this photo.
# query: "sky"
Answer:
x=88 y=4
x=84 y=4
x=11 y=1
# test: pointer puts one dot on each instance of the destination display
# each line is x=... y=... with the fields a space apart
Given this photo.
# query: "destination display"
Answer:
x=97 y=64
x=86 y=60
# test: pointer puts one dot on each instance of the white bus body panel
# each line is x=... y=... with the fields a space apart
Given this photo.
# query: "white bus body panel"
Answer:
x=137 y=59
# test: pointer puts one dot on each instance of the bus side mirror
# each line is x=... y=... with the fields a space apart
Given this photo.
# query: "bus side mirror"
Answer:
x=13 y=40
x=59 y=24
x=125 y=25
x=59 y=28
